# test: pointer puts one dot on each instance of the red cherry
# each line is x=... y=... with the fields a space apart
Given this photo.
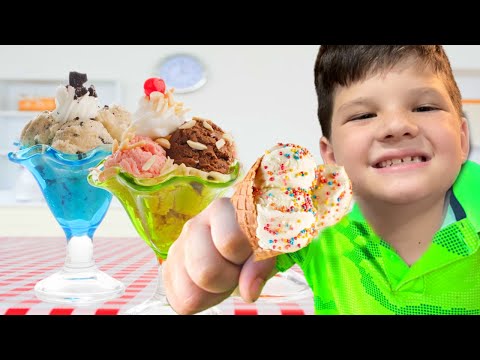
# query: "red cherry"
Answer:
x=154 y=84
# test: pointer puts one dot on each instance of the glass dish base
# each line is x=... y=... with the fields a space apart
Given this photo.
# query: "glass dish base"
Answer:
x=80 y=287
x=159 y=306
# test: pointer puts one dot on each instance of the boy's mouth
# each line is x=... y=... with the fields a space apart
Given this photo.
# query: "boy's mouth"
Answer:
x=400 y=161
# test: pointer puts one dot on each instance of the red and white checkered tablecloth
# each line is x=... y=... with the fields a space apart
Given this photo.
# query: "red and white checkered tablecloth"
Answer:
x=24 y=261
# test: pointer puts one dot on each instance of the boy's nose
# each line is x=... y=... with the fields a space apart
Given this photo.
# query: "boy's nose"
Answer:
x=396 y=126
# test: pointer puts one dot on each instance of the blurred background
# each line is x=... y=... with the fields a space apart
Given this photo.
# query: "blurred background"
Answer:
x=261 y=94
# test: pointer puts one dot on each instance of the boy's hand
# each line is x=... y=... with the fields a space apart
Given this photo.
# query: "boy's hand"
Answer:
x=210 y=259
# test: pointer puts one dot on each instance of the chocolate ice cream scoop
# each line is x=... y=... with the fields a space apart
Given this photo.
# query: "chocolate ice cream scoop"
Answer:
x=201 y=144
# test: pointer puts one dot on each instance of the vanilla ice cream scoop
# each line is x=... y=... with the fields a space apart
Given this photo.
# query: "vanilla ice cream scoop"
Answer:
x=287 y=165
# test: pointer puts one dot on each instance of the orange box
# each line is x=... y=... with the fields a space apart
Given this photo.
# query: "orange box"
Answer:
x=36 y=104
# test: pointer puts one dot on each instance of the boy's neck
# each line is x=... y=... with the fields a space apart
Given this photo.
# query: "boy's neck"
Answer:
x=410 y=228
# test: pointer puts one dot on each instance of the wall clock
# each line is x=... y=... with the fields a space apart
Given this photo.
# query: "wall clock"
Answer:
x=184 y=72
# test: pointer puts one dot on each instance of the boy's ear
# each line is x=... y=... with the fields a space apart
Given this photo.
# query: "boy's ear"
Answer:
x=326 y=150
x=465 y=139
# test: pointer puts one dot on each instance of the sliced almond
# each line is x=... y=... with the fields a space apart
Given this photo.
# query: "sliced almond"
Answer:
x=160 y=105
x=163 y=143
x=220 y=143
x=196 y=145
x=127 y=146
x=207 y=126
x=184 y=111
x=228 y=137
x=149 y=163
x=115 y=146
x=199 y=118
x=155 y=96
x=171 y=102
x=188 y=125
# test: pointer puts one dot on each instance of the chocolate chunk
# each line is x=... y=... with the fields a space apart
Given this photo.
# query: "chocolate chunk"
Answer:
x=91 y=91
x=79 y=92
x=81 y=155
x=77 y=118
x=77 y=79
x=106 y=107
x=81 y=123
x=75 y=135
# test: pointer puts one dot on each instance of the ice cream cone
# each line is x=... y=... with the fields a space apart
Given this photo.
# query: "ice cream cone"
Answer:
x=331 y=194
x=243 y=201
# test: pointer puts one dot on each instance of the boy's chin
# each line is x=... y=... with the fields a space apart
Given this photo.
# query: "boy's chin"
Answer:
x=404 y=197
x=401 y=195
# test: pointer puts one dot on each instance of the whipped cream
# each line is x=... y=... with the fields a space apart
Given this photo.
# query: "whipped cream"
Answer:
x=68 y=107
x=158 y=115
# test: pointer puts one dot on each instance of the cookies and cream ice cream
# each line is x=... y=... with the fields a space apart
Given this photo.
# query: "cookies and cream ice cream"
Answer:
x=77 y=124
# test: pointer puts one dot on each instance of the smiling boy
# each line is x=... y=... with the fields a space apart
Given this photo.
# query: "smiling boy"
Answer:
x=392 y=116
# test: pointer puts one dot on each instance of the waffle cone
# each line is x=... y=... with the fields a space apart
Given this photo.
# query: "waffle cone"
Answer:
x=243 y=201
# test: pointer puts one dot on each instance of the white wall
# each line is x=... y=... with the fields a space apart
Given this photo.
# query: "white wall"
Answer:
x=261 y=94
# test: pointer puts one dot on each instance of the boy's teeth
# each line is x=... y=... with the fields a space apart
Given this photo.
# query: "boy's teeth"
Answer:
x=408 y=159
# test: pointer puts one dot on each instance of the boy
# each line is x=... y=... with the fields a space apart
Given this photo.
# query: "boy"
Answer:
x=392 y=116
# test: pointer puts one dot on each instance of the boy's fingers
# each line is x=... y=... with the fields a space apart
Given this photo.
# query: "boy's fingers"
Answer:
x=183 y=295
x=227 y=235
x=253 y=277
x=204 y=264
x=187 y=297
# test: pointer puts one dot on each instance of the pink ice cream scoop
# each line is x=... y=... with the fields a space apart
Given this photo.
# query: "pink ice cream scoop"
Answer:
x=143 y=158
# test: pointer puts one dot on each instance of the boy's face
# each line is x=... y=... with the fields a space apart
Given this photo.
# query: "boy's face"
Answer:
x=398 y=135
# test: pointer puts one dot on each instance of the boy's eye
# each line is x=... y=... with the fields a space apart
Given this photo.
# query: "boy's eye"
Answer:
x=424 y=108
x=363 y=116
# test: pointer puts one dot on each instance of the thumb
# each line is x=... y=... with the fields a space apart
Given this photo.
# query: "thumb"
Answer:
x=253 y=277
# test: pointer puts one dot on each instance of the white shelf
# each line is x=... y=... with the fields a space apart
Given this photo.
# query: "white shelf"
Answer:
x=20 y=114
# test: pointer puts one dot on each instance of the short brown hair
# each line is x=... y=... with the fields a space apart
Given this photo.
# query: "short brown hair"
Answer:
x=346 y=64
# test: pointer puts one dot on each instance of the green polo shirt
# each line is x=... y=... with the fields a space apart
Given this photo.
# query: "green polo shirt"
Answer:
x=353 y=271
